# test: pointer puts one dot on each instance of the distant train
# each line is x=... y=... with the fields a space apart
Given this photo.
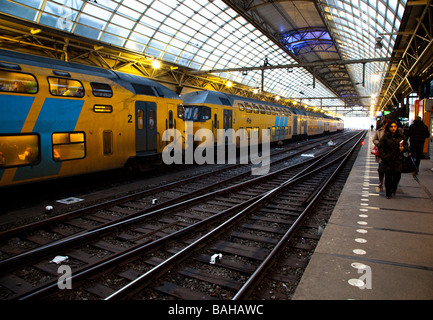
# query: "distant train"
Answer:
x=213 y=110
x=61 y=119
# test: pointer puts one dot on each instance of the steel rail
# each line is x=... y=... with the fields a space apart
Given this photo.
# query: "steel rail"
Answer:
x=120 y=257
x=256 y=277
x=174 y=204
x=109 y=203
x=147 y=277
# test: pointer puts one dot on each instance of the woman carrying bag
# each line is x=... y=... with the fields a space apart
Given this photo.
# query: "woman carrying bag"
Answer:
x=379 y=134
x=391 y=148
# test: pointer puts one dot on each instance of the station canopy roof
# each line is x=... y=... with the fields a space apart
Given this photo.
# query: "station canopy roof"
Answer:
x=323 y=53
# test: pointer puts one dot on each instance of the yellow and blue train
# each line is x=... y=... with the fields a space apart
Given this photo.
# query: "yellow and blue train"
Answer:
x=61 y=119
x=213 y=110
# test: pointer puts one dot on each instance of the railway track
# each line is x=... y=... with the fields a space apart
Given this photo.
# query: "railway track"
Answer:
x=161 y=193
x=186 y=213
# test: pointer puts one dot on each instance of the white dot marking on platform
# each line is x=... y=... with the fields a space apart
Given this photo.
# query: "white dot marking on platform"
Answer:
x=356 y=283
x=360 y=240
x=358 y=265
x=359 y=251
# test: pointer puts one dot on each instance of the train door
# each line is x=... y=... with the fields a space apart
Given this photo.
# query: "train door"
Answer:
x=295 y=125
x=145 y=126
x=228 y=119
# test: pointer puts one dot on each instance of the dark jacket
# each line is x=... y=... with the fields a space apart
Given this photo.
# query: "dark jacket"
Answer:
x=418 y=132
x=389 y=152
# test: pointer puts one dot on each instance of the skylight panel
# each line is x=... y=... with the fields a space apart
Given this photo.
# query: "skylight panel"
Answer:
x=162 y=37
x=155 y=15
x=164 y=9
x=177 y=43
x=179 y=17
x=128 y=12
x=150 y=22
x=95 y=11
x=145 y=30
x=168 y=30
x=185 y=10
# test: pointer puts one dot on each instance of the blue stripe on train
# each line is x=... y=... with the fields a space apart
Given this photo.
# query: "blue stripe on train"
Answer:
x=57 y=115
x=281 y=122
x=13 y=114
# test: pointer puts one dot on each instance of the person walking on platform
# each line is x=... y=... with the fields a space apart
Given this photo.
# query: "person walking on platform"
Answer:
x=391 y=148
x=416 y=135
x=376 y=139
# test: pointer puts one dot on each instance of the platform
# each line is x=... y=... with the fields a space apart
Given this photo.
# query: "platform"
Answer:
x=372 y=247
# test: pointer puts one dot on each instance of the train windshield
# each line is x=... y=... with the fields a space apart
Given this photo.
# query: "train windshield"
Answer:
x=197 y=113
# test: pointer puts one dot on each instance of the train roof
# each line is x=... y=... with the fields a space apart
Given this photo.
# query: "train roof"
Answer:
x=140 y=85
x=208 y=96
x=227 y=99
x=215 y=97
x=134 y=83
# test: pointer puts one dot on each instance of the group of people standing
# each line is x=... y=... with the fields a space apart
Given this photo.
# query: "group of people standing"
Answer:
x=392 y=142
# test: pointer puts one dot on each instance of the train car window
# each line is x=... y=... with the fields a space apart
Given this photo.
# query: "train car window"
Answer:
x=140 y=119
x=180 y=111
x=255 y=108
x=170 y=119
x=268 y=110
x=159 y=91
x=187 y=113
x=241 y=107
x=196 y=113
x=68 y=146
x=10 y=66
x=101 y=90
x=248 y=108
x=19 y=150
x=152 y=119
x=262 y=109
x=273 y=131
x=225 y=102
x=107 y=142
x=18 y=82
x=206 y=114
x=142 y=89
x=97 y=108
x=66 y=87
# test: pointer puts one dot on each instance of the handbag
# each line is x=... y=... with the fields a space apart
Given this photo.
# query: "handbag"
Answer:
x=375 y=151
x=408 y=164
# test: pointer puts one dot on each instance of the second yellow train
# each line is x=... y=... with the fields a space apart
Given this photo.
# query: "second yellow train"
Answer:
x=213 y=111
